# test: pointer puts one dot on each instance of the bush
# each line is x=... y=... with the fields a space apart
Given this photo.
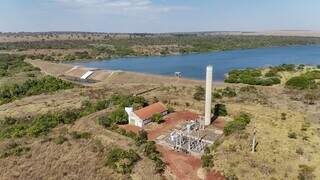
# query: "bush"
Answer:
x=229 y=92
x=301 y=82
x=121 y=160
x=12 y=64
x=60 y=139
x=249 y=89
x=80 y=135
x=226 y=92
x=199 y=94
x=239 y=123
x=149 y=148
x=40 y=125
x=157 y=118
x=292 y=135
x=251 y=77
x=271 y=73
x=142 y=137
x=126 y=101
x=160 y=166
x=313 y=74
x=171 y=109
x=299 y=151
x=13 y=149
x=306 y=172
x=216 y=95
x=220 y=110
x=32 y=87
x=119 y=116
x=207 y=160
x=105 y=121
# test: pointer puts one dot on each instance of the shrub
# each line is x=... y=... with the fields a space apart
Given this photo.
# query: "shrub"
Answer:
x=271 y=73
x=157 y=118
x=207 y=160
x=306 y=172
x=252 y=77
x=80 y=135
x=102 y=104
x=305 y=126
x=216 y=95
x=301 y=82
x=239 y=123
x=13 y=149
x=310 y=97
x=105 y=121
x=11 y=64
x=220 y=110
x=60 y=139
x=32 y=87
x=149 y=148
x=229 y=92
x=121 y=160
x=249 y=89
x=171 y=109
x=40 y=125
x=142 y=137
x=126 y=101
x=299 y=151
x=292 y=135
x=199 y=94
x=160 y=166
x=119 y=116
x=312 y=74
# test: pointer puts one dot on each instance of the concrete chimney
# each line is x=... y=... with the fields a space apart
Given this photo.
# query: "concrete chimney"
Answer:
x=207 y=116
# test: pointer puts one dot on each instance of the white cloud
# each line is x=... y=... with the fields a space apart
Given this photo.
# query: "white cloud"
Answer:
x=118 y=6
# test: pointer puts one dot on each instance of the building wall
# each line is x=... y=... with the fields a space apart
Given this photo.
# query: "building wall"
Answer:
x=134 y=120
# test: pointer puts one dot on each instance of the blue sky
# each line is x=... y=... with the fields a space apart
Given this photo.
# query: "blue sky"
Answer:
x=158 y=15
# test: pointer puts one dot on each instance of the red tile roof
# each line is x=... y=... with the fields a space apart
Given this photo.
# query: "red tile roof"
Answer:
x=149 y=111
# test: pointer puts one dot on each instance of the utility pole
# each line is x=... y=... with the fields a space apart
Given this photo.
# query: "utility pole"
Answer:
x=253 y=149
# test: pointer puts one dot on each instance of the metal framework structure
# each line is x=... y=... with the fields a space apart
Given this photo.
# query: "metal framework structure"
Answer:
x=188 y=139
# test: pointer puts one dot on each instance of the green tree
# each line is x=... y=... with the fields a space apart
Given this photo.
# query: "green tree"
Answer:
x=157 y=118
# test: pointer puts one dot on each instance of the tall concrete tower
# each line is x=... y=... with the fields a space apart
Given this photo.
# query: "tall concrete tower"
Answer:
x=207 y=116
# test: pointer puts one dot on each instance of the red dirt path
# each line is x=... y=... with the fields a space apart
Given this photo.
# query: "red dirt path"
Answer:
x=183 y=166
x=219 y=123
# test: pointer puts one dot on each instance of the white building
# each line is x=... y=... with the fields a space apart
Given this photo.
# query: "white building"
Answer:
x=143 y=116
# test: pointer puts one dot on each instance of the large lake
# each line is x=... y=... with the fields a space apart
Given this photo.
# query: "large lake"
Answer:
x=193 y=65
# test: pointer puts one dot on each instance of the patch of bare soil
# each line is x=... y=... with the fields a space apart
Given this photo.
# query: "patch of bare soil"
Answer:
x=53 y=69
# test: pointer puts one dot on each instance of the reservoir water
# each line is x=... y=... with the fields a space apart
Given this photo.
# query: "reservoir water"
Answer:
x=193 y=65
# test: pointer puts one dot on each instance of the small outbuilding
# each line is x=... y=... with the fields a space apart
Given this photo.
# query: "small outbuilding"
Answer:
x=143 y=116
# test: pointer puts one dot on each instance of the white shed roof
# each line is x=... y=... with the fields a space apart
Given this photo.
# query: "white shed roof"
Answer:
x=87 y=74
